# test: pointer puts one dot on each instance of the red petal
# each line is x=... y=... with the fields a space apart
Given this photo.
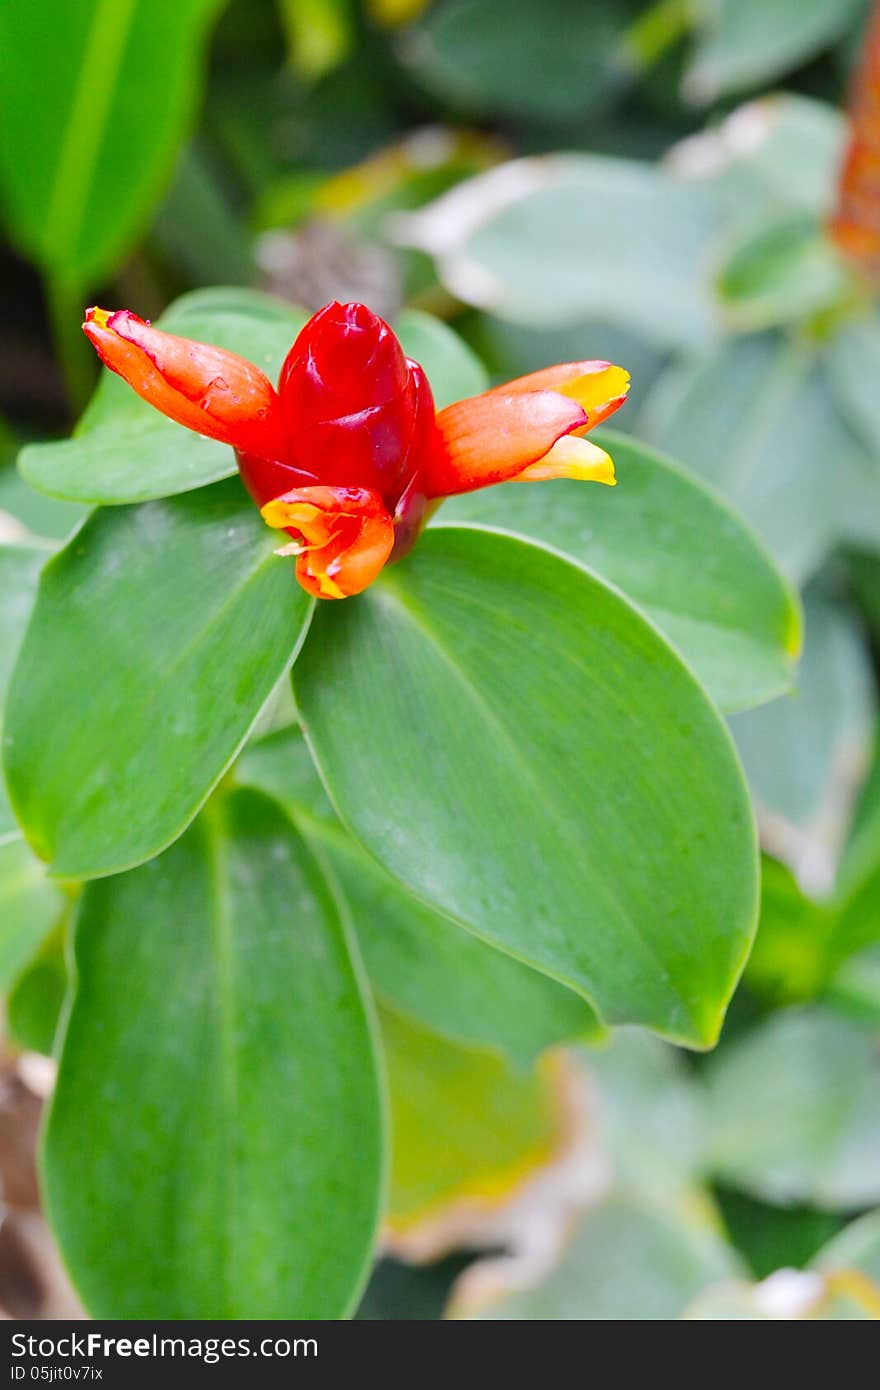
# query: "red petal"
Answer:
x=492 y=438
x=346 y=536
x=213 y=392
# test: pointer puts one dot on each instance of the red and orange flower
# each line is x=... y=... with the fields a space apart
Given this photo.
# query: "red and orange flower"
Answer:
x=348 y=454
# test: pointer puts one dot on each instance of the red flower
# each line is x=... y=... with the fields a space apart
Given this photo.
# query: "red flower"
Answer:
x=348 y=454
x=855 y=224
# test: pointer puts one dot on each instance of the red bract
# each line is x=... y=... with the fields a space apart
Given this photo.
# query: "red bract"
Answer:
x=855 y=224
x=349 y=453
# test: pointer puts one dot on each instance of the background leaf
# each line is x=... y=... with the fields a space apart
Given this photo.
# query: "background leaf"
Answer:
x=746 y=42
x=513 y=741
x=29 y=904
x=623 y=1255
x=223 y=967
x=795 y=1111
x=166 y=625
x=472 y=53
x=82 y=167
x=758 y=420
x=466 y=1129
x=542 y=241
x=802 y=752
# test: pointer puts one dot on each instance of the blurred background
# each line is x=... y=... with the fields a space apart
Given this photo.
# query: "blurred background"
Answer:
x=648 y=182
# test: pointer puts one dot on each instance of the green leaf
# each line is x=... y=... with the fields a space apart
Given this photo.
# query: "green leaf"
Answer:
x=795 y=1111
x=35 y=1003
x=419 y=962
x=319 y=34
x=163 y=628
x=856 y=1247
x=515 y=743
x=783 y=273
x=626 y=1258
x=95 y=98
x=466 y=1129
x=853 y=355
x=652 y=1113
x=124 y=450
x=543 y=241
x=520 y=58
x=792 y=955
x=454 y=371
x=777 y=153
x=758 y=420
x=677 y=552
x=218 y=1067
x=29 y=906
x=773 y=1237
x=747 y=42
x=855 y=987
x=20 y=567
x=797 y=750
x=857 y=888
x=41 y=516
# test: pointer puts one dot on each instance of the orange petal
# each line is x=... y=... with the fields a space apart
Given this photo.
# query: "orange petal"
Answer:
x=571 y=457
x=598 y=387
x=492 y=438
x=213 y=392
x=342 y=537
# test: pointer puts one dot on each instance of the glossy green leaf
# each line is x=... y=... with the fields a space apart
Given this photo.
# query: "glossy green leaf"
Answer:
x=677 y=552
x=163 y=628
x=747 y=42
x=419 y=962
x=124 y=450
x=218 y=1069
x=626 y=1258
x=795 y=1111
x=95 y=98
x=514 y=742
